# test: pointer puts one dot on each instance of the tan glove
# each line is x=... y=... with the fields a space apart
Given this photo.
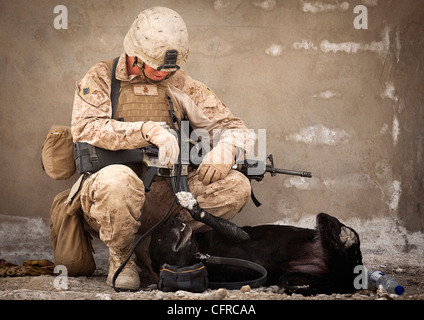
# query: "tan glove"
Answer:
x=164 y=140
x=217 y=163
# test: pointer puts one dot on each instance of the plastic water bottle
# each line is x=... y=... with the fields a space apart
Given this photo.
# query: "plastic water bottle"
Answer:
x=377 y=278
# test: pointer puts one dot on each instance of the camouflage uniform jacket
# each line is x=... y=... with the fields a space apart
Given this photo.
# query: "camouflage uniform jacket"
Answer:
x=91 y=116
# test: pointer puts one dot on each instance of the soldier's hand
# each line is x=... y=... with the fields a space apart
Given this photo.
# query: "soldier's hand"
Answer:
x=217 y=163
x=164 y=140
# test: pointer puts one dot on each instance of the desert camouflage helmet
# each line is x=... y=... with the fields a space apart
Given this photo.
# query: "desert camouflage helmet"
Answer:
x=159 y=38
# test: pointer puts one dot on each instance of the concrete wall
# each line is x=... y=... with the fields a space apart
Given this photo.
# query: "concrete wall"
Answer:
x=344 y=103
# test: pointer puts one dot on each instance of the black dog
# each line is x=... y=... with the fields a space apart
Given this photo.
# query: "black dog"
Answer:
x=306 y=261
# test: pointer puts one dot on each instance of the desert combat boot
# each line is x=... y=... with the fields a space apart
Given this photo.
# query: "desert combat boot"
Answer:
x=129 y=278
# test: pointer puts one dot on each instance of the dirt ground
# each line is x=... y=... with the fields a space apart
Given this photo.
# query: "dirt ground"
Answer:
x=401 y=256
x=407 y=269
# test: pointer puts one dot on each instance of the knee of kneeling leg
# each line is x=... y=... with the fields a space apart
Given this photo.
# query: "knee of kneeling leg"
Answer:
x=121 y=178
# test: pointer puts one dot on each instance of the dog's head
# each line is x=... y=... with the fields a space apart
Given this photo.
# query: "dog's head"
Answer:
x=172 y=243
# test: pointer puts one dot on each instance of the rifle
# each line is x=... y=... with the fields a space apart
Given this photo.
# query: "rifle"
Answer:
x=90 y=159
x=255 y=170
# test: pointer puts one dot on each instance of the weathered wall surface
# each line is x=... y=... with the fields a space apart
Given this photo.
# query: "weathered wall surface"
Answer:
x=344 y=103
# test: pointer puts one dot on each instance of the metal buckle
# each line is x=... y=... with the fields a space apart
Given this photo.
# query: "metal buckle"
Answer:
x=170 y=61
x=201 y=256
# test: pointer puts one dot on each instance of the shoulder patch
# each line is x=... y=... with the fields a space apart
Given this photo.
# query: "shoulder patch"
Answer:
x=90 y=92
x=86 y=91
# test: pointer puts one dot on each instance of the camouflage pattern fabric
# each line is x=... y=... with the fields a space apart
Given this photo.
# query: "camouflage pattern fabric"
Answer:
x=29 y=268
x=195 y=100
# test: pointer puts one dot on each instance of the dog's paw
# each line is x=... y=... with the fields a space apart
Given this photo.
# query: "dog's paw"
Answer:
x=347 y=237
x=186 y=200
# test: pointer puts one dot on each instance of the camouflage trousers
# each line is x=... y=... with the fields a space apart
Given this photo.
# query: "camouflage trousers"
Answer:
x=116 y=205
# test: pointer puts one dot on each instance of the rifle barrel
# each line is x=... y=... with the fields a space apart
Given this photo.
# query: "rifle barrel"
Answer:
x=274 y=171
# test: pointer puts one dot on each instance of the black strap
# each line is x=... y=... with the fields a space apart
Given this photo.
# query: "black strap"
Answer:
x=254 y=199
x=172 y=113
x=115 y=87
x=235 y=262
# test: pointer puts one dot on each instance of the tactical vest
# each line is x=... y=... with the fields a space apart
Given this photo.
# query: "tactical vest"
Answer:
x=143 y=101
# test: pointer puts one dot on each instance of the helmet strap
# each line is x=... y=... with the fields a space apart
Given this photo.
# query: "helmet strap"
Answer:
x=134 y=62
x=138 y=64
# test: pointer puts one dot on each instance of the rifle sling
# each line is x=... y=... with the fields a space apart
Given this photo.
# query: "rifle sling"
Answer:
x=115 y=88
x=254 y=199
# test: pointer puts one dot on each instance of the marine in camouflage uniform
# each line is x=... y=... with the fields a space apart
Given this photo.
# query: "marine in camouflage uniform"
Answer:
x=113 y=199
